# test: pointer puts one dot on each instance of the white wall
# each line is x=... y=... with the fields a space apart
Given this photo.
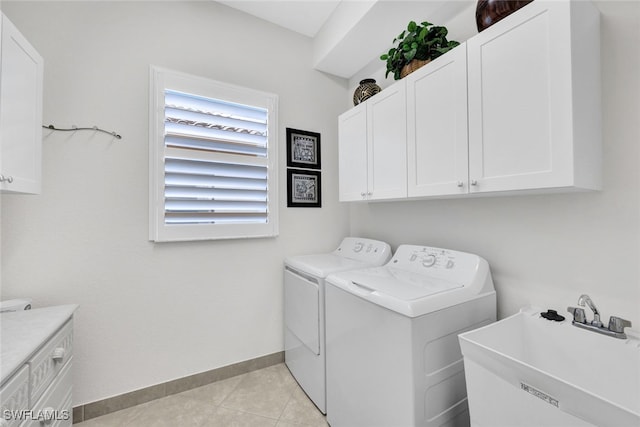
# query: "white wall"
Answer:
x=154 y=312
x=547 y=250
x=149 y=312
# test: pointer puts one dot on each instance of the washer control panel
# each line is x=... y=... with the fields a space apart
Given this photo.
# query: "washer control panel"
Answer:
x=432 y=258
x=435 y=262
x=362 y=249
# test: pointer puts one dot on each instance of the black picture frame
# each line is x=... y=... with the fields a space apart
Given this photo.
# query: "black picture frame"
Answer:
x=303 y=149
x=304 y=188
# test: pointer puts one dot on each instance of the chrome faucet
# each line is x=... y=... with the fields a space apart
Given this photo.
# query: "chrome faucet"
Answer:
x=584 y=299
x=616 y=324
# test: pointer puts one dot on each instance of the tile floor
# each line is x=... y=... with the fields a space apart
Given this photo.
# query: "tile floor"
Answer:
x=266 y=397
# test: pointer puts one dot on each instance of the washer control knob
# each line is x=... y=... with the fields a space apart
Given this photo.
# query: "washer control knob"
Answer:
x=429 y=260
x=450 y=264
x=358 y=247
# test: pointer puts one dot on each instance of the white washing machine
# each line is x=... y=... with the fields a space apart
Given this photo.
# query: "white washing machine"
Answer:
x=304 y=283
x=393 y=357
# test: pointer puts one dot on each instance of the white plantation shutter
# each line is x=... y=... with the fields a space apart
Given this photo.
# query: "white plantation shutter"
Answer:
x=213 y=159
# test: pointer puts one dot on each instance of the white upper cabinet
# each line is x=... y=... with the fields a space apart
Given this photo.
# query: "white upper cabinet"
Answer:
x=21 y=73
x=387 y=148
x=534 y=100
x=514 y=109
x=352 y=154
x=372 y=148
x=437 y=153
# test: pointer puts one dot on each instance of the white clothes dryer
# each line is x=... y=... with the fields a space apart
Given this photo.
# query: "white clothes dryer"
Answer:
x=304 y=334
x=393 y=357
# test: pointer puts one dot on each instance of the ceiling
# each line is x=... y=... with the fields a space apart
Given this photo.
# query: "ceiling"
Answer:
x=302 y=16
x=347 y=35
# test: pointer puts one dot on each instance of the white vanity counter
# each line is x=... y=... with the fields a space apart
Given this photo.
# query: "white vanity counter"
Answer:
x=36 y=354
x=23 y=332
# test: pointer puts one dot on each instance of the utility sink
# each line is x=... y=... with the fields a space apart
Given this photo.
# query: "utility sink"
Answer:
x=529 y=371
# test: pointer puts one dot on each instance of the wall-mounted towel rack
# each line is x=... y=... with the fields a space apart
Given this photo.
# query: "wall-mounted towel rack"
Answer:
x=75 y=128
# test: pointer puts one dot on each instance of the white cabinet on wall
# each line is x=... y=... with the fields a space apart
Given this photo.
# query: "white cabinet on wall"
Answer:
x=352 y=154
x=372 y=148
x=534 y=100
x=514 y=109
x=437 y=151
x=21 y=73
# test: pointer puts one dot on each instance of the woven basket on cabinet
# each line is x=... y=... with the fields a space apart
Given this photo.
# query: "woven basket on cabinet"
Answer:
x=413 y=65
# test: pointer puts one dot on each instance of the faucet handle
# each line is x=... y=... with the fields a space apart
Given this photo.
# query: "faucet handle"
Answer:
x=578 y=314
x=616 y=324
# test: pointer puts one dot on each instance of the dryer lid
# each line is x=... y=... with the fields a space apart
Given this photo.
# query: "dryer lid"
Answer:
x=353 y=252
x=321 y=265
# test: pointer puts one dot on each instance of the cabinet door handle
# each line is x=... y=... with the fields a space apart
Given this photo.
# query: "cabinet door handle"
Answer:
x=58 y=354
x=474 y=182
x=3 y=178
x=460 y=184
x=369 y=193
x=363 y=194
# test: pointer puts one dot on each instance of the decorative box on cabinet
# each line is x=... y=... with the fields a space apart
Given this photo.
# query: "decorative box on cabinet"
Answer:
x=372 y=147
x=534 y=100
x=21 y=73
x=36 y=367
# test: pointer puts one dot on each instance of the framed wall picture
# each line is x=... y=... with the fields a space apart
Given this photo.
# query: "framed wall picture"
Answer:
x=303 y=189
x=303 y=149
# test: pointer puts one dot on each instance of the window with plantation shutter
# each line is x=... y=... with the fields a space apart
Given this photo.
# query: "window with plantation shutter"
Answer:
x=212 y=159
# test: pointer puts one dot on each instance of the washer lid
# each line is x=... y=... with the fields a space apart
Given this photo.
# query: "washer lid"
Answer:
x=401 y=284
x=403 y=292
x=419 y=280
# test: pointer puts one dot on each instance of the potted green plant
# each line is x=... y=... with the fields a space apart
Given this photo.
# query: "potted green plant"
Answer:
x=416 y=46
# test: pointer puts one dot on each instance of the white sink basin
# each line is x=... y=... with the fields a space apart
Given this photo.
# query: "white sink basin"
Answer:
x=529 y=371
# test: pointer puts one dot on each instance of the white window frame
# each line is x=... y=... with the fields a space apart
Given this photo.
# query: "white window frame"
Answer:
x=159 y=231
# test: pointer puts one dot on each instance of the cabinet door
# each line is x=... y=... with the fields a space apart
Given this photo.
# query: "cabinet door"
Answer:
x=352 y=154
x=387 y=149
x=437 y=146
x=14 y=396
x=520 y=119
x=20 y=112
